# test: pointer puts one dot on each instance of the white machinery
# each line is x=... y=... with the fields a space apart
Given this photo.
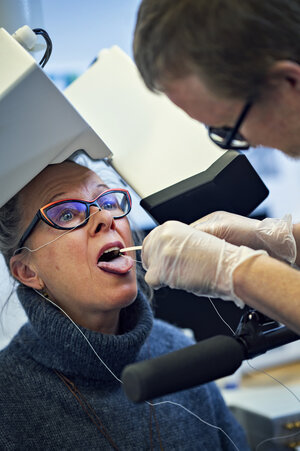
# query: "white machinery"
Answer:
x=163 y=154
x=38 y=126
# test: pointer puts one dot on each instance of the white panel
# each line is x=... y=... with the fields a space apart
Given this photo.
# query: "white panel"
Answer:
x=38 y=125
x=154 y=143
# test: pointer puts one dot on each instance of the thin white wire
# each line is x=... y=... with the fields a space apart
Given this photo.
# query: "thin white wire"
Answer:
x=220 y=316
x=276 y=380
x=119 y=380
x=292 y=393
x=281 y=437
x=199 y=418
x=95 y=352
x=84 y=336
x=138 y=261
x=57 y=238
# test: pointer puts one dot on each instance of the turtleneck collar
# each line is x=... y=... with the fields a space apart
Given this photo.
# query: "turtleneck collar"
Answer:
x=51 y=338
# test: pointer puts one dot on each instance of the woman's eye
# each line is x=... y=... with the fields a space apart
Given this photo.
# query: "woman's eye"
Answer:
x=110 y=205
x=66 y=216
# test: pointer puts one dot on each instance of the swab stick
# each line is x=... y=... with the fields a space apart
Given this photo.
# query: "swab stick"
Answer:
x=132 y=248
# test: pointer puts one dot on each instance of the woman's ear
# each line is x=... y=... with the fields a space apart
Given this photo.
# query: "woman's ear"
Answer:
x=25 y=273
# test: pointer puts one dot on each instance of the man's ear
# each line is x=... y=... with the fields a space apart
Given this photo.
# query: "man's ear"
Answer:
x=25 y=273
x=286 y=71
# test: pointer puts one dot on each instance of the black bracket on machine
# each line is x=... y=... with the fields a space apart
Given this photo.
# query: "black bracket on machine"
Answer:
x=259 y=334
x=230 y=184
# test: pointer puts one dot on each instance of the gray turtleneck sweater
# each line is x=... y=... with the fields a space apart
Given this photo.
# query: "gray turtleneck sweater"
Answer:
x=42 y=410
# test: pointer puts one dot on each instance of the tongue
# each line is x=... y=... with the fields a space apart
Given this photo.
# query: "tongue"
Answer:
x=119 y=265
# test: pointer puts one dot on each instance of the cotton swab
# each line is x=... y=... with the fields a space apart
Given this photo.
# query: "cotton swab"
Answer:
x=132 y=248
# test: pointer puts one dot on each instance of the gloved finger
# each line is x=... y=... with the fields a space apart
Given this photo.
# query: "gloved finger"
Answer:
x=145 y=254
x=152 y=279
x=276 y=236
x=215 y=216
x=216 y=223
x=200 y=221
x=158 y=239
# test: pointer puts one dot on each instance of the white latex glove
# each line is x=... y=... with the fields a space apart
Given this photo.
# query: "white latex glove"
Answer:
x=273 y=235
x=182 y=257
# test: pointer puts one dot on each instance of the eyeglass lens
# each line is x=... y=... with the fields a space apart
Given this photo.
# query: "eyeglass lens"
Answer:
x=229 y=137
x=220 y=137
x=70 y=214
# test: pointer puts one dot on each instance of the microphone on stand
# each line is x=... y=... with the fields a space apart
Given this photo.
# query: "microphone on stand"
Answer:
x=205 y=361
x=185 y=368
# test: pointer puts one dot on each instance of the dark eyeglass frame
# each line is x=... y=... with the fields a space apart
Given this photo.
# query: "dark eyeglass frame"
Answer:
x=230 y=134
x=42 y=213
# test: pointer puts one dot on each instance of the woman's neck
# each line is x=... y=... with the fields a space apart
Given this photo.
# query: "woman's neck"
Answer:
x=104 y=322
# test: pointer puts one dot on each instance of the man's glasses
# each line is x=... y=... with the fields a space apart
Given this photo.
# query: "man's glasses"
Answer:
x=229 y=137
x=68 y=214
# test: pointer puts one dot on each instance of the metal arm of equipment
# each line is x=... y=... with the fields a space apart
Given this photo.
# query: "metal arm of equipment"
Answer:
x=205 y=361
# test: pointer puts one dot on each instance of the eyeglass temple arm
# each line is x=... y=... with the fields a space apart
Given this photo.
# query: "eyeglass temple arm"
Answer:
x=29 y=229
x=237 y=125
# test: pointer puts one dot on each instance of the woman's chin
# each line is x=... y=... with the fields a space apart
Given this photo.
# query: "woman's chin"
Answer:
x=128 y=297
x=121 y=298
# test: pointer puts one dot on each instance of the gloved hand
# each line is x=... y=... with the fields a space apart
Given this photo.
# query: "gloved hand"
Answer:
x=273 y=235
x=182 y=257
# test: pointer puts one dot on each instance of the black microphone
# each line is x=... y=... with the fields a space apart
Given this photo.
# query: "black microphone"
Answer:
x=203 y=362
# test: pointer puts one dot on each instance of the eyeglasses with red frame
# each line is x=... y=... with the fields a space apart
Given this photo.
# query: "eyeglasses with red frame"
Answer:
x=68 y=214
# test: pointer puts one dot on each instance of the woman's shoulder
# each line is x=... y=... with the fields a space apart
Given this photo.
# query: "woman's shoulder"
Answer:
x=9 y=356
x=15 y=363
x=9 y=353
x=10 y=371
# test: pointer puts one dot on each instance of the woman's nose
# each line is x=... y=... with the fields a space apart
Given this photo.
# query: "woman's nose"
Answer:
x=100 y=219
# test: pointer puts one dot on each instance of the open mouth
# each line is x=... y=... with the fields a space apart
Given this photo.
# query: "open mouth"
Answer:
x=112 y=261
x=109 y=254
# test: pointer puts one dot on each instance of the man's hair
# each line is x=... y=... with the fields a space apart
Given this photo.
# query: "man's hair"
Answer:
x=229 y=44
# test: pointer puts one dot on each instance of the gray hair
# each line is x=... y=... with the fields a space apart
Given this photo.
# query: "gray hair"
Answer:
x=10 y=227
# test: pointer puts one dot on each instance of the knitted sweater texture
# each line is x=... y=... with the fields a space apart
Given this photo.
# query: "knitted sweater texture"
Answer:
x=38 y=411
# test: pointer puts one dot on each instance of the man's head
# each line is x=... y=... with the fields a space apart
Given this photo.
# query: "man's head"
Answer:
x=212 y=57
x=231 y=45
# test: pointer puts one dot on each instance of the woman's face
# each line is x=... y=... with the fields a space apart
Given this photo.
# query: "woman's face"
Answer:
x=68 y=267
